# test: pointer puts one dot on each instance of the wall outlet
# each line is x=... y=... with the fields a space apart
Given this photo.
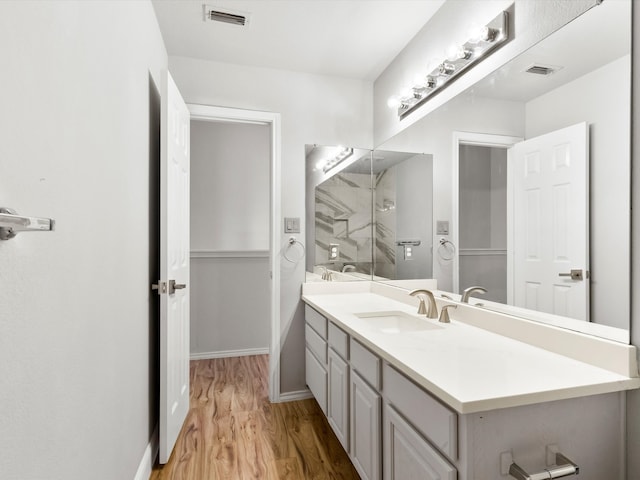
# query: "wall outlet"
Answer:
x=334 y=251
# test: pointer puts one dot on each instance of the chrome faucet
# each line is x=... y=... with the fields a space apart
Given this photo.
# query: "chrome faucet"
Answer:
x=468 y=291
x=326 y=274
x=432 y=310
x=348 y=268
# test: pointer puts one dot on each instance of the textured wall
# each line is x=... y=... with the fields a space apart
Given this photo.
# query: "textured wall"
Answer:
x=79 y=132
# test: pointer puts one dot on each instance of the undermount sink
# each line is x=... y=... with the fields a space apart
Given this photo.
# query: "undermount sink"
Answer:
x=397 y=322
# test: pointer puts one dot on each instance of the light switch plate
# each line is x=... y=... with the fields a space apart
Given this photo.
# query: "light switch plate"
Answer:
x=442 y=227
x=292 y=225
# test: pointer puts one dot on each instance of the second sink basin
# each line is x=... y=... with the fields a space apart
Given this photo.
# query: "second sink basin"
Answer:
x=397 y=322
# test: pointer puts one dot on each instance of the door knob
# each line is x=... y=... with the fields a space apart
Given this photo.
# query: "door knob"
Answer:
x=575 y=274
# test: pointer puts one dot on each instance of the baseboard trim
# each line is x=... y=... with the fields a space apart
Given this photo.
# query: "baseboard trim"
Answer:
x=148 y=458
x=298 y=395
x=230 y=353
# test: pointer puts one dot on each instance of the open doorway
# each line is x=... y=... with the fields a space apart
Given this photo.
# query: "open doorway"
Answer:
x=480 y=213
x=482 y=225
x=234 y=211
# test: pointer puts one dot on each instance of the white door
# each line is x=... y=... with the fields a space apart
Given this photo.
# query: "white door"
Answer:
x=551 y=222
x=174 y=266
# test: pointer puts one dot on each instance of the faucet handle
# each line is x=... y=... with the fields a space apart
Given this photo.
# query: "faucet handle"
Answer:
x=422 y=308
x=444 y=314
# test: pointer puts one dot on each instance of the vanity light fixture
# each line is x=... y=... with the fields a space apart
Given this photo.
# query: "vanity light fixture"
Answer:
x=340 y=157
x=483 y=39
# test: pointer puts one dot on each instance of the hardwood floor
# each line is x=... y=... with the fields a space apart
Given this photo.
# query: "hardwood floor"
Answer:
x=233 y=432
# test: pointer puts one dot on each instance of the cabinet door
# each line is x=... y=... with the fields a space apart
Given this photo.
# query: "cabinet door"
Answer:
x=366 y=421
x=408 y=456
x=316 y=377
x=338 y=404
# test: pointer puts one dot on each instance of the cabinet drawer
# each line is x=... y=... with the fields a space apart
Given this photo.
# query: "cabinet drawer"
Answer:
x=366 y=363
x=317 y=321
x=316 y=377
x=316 y=344
x=339 y=341
x=428 y=415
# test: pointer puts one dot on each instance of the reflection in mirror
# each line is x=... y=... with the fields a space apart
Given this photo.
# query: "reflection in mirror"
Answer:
x=572 y=77
x=339 y=220
x=403 y=191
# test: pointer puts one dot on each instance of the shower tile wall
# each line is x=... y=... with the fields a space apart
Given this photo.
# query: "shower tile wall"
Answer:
x=343 y=217
x=385 y=223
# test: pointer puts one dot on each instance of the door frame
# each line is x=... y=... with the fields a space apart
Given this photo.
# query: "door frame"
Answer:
x=481 y=140
x=271 y=119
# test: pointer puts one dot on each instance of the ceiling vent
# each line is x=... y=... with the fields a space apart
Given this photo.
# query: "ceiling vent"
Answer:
x=232 y=17
x=542 y=69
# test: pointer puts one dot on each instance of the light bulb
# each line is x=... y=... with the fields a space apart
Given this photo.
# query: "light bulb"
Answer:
x=476 y=33
x=458 y=52
x=406 y=92
x=420 y=79
x=452 y=52
x=394 y=102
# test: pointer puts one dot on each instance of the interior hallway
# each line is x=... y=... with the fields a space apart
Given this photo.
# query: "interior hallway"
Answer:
x=233 y=432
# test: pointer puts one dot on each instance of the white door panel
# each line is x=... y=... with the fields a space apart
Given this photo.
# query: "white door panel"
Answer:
x=174 y=266
x=551 y=222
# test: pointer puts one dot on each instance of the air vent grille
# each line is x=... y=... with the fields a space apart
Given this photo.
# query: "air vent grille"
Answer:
x=541 y=69
x=224 y=16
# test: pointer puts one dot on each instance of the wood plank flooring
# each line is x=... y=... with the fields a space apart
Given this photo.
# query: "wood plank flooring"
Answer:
x=233 y=432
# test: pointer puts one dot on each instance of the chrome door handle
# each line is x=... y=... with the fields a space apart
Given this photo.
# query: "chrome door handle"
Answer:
x=575 y=274
x=180 y=286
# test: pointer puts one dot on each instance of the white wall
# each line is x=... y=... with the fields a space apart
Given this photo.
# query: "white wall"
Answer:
x=314 y=109
x=77 y=344
x=608 y=118
x=532 y=20
x=230 y=183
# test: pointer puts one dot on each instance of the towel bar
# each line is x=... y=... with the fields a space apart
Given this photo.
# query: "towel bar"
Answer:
x=564 y=468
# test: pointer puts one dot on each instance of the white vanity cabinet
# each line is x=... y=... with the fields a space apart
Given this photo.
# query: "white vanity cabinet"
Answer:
x=338 y=391
x=394 y=428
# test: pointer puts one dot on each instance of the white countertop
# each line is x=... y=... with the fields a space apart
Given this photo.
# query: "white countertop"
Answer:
x=466 y=367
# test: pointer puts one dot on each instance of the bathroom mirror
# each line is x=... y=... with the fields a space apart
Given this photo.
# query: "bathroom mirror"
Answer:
x=578 y=75
x=402 y=205
x=339 y=217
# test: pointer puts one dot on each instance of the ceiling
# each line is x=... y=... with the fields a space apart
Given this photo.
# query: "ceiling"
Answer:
x=574 y=50
x=346 y=38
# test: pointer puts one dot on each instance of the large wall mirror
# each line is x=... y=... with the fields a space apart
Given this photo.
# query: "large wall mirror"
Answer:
x=523 y=181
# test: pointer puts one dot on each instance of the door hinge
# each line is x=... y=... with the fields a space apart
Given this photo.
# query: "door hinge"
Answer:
x=160 y=287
